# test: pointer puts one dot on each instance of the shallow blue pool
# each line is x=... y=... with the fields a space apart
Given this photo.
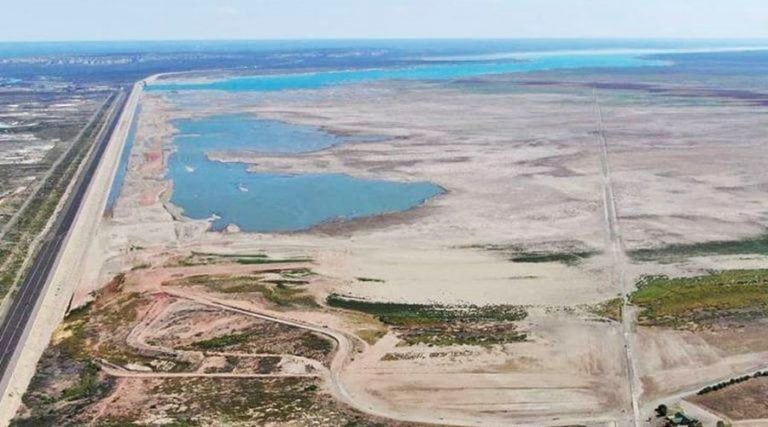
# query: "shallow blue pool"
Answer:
x=268 y=202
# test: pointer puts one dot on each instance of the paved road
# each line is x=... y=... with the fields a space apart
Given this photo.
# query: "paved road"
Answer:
x=23 y=305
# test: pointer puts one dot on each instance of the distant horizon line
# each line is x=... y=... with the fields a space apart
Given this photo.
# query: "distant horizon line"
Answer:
x=319 y=39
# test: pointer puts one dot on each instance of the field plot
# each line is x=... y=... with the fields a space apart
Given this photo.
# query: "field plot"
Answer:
x=743 y=401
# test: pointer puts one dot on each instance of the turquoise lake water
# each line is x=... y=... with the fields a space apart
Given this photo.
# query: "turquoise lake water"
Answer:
x=436 y=71
x=269 y=202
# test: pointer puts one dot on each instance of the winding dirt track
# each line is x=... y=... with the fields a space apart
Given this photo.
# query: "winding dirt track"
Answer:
x=343 y=354
x=342 y=357
x=344 y=350
x=124 y=373
x=137 y=340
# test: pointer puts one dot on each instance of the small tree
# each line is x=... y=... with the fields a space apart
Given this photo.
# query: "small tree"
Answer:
x=662 y=410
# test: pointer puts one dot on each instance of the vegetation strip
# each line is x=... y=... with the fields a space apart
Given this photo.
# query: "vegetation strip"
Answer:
x=206 y=258
x=732 y=381
x=518 y=253
x=677 y=252
x=725 y=295
x=440 y=324
x=285 y=291
x=567 y=258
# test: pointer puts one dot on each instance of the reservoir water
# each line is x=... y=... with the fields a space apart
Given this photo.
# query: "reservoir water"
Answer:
x=269 y=202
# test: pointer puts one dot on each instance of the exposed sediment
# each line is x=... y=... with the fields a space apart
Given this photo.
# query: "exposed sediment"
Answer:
x=521 y=224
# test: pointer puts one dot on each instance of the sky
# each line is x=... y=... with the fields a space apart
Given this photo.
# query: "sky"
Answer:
x=52 y=20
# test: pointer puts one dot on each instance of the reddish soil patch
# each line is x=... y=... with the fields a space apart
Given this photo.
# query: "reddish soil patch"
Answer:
x=744 y=401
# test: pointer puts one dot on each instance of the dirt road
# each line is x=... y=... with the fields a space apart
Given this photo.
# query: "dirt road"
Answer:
x=619 y=262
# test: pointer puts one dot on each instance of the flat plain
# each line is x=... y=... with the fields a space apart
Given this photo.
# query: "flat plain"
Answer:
x=500 y=301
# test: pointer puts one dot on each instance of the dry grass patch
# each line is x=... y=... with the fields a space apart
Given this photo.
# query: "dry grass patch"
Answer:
x=282 y=287
x=442 y=325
